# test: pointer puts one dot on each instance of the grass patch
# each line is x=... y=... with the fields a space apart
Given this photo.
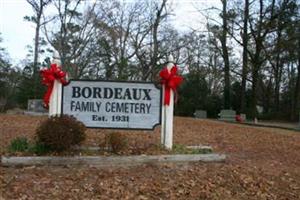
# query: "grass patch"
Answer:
x=19 y=144
x=39 y=149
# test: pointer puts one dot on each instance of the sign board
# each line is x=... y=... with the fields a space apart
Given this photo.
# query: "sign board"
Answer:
x=105 y=104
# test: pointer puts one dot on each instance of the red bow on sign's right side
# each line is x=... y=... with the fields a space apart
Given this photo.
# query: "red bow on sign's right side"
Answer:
x=171 y=80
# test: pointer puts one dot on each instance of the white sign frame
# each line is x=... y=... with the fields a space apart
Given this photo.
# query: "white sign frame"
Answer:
x=130 y=84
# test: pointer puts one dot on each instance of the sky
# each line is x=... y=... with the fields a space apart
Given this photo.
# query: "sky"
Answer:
x=17 y=33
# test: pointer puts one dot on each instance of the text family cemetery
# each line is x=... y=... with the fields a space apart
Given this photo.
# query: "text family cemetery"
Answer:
x=104 y=104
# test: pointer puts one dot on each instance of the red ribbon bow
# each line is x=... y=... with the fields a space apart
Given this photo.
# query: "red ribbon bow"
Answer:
x=171 y=81
x=49 y=76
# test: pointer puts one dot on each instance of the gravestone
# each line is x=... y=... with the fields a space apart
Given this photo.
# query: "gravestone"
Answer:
x=259 y=109
x=243 y=117
x=35 y=107
x=227 y=115
x=201 y=114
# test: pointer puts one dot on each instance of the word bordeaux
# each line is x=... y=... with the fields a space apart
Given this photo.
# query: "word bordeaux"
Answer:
x=113 y=104
x=109 y=93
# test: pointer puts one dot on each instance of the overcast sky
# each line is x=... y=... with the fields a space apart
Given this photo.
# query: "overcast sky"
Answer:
x=17 y=33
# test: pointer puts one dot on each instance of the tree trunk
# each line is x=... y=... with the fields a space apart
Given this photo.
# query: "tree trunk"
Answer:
x=254 y=89
x=296 y=97
x=278 y=65
x=38 y=7
x=257 y=60
x=36 y=51
x=36 y=43
x=225 y=57
x=158 y=19
x=245 y=57
x=296 y=106
x=278 y=77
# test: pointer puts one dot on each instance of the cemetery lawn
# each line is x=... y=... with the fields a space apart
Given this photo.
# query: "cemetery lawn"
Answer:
x=262 y=163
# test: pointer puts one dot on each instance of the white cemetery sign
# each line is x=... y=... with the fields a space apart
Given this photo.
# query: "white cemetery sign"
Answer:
x=105 y=104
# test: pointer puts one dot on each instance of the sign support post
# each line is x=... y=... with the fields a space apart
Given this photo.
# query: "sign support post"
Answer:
x=56 y=95
x=55 y=99
x=167 y=122
x=53 y=78
x=163 y=119
x=167 y=113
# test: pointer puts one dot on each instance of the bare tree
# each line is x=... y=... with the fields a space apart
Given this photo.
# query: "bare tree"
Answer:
x=38 y=7
x=223 y=40
x=71 y=32
x=245 y=39
x=148 y=43
x=296 y=98
x=259 y=29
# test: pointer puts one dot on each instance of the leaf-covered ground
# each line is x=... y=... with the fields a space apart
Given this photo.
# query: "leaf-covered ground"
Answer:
x=262 y=163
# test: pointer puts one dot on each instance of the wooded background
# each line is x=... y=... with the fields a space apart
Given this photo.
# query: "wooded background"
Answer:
x=246 y=59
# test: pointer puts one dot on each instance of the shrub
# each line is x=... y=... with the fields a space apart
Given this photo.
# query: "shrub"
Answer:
x=59 y=133
x=38 y=148
x=19 y=144
x=115 y=142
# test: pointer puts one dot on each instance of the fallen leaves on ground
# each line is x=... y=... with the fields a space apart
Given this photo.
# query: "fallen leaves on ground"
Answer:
x=262 y=163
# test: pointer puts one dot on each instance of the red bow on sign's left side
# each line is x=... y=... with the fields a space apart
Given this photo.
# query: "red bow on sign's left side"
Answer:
x=171 y=80
x=49 y=76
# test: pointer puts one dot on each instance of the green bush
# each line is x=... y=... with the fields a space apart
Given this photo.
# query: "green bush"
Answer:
x=19 y=144
x=115 y=142
x=59 y=133
x=38 y=149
